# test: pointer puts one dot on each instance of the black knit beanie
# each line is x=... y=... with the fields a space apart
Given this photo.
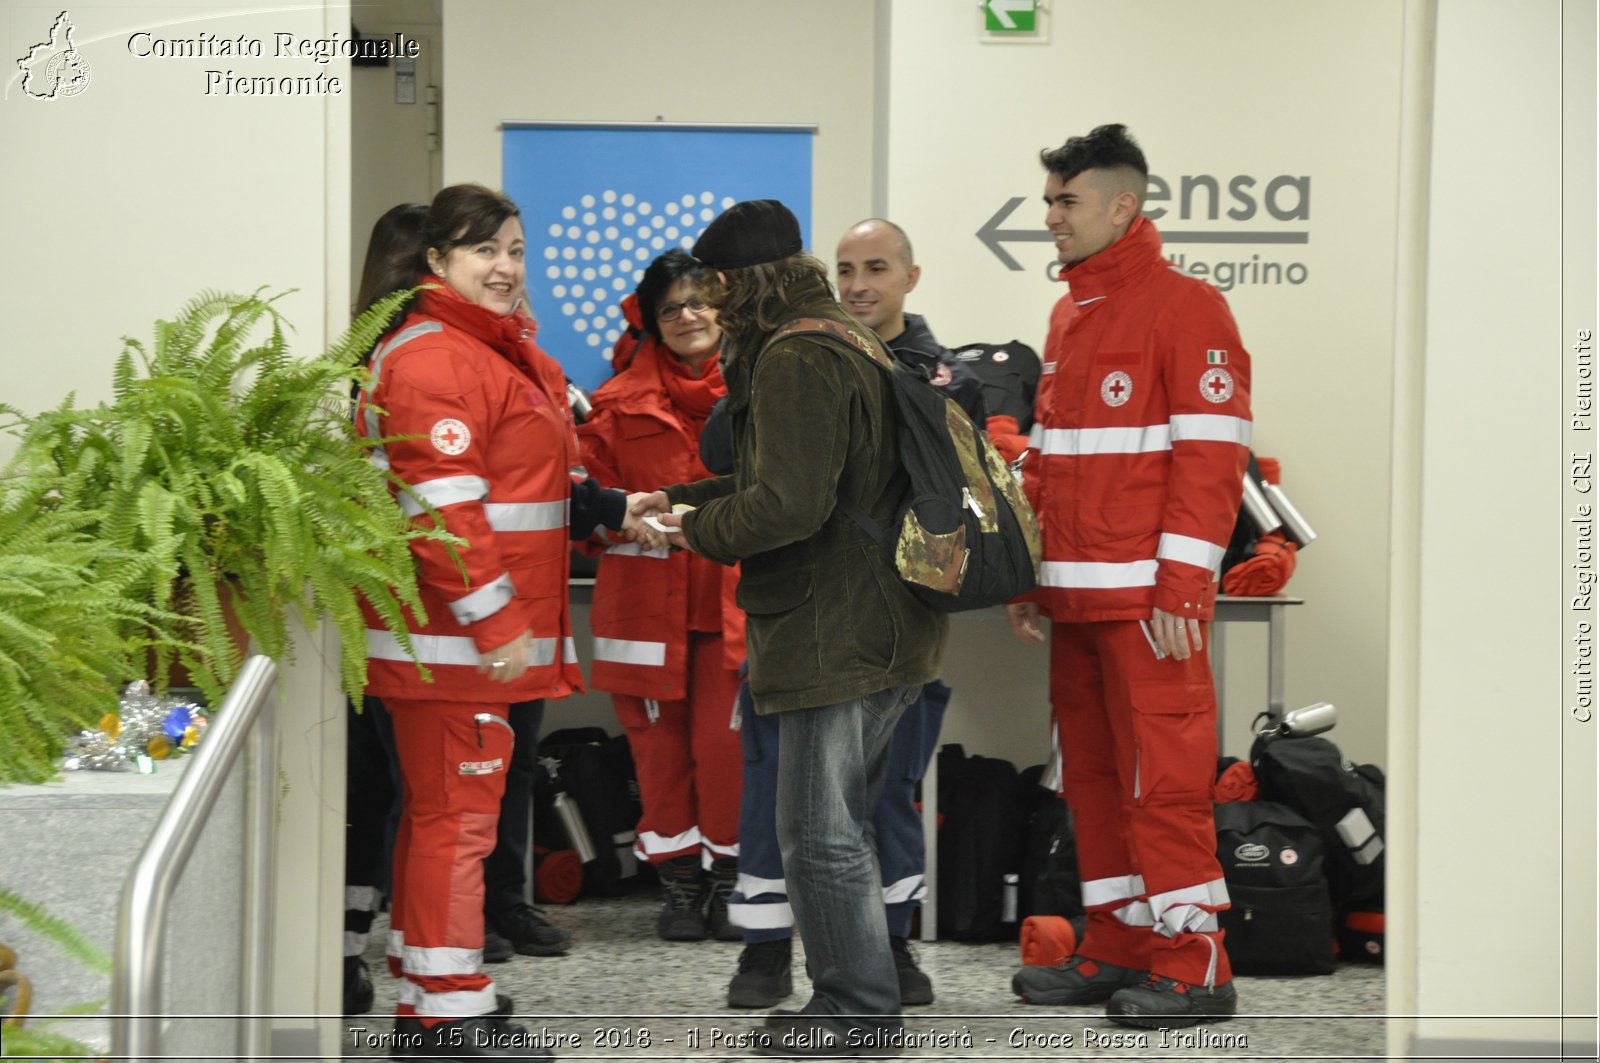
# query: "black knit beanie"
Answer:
x=749 y=234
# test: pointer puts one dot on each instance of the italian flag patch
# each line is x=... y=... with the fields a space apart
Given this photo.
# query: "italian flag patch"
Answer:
x=1216 y=357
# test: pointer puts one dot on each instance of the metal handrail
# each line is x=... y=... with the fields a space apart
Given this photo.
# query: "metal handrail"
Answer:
x=147 y=893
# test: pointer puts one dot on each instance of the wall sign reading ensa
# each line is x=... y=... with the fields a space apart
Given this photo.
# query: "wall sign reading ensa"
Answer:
x=1277 y=210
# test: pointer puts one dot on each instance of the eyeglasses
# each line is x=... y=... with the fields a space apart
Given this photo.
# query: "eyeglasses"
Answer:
x=671 y=311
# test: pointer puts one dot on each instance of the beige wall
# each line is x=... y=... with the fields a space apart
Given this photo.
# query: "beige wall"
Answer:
x=395 y=148
x=1499 y=777
x=510 y=60
x=121 y=204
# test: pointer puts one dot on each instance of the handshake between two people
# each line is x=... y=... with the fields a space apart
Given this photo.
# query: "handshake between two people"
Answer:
x=652 y=522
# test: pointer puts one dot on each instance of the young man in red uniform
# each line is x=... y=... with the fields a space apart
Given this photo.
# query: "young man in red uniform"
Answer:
x=1135 y=469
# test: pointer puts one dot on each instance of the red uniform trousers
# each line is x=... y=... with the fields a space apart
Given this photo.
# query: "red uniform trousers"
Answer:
x=1139 y=745
x=689 y=760
x=453 y=758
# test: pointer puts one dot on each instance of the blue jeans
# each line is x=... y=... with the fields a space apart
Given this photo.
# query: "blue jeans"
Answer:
x=831 y=767
x=760 y=901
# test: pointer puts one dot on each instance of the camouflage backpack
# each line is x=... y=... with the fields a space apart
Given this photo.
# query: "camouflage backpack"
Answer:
x=964 y=536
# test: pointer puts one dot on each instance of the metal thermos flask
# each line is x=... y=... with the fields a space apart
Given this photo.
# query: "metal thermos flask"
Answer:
x=1260 y=510
x=1298 y=529
x=572 y=822
x=1308 y=721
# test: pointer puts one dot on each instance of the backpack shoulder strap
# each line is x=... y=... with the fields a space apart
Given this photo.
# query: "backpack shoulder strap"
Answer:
x=837 y=330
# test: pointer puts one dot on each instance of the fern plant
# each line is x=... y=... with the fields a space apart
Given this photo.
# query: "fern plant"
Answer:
x=38 y=1041
x=234 y=467
x=69 y=620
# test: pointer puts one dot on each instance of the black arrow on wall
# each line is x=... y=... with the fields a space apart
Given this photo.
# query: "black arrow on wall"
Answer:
x=992 y=235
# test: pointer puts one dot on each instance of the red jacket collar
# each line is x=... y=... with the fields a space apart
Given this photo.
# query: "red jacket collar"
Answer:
x=1125 y=261
x=505 y=334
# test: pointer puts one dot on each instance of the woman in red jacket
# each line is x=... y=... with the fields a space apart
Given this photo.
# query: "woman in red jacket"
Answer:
x=472 y=419
x=667 y=638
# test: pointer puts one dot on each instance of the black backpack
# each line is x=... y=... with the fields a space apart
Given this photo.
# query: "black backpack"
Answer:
x=1010 y=376
x=1281 y=919
x=596 y=773
x=964 y=536
x=1343 y=800
x=980 y=843
x=1049 y=883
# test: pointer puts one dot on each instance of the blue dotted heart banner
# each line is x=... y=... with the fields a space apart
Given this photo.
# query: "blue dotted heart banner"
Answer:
x=599 y=203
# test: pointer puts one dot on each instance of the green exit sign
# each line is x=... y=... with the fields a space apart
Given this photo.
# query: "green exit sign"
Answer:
x=1011 y=16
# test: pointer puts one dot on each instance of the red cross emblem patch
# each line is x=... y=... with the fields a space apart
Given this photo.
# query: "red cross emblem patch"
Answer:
x=1116 y=388
x=1216 y=385
x=451 y=437
x=942 y=375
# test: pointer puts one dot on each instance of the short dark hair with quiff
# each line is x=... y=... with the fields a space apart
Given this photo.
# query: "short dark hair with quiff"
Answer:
x=1107 y=147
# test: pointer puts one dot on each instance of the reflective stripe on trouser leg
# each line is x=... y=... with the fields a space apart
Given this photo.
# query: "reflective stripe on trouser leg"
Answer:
x=453 y=756
x=1097 y=772
x=896 y=820
x=658 y=737
x=714 y=748
x=1170 y=709
x=760 y=899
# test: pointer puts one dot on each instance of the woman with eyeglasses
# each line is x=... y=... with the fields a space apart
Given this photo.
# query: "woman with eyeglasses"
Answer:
x=668 y=639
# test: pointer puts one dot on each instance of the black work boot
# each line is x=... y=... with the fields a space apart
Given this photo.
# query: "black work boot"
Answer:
x=530 y=934
x=915 y=986
x=764 y=975
x=1079 y=980
x=1165 y=1002
x=683 y=917
x=724 y=876
x=476 y=1037
x=358 y=991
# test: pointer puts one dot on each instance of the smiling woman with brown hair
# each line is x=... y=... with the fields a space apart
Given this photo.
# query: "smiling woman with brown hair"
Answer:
x=471 y=417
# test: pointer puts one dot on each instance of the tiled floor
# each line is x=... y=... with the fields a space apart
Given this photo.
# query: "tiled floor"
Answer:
x=622 y=994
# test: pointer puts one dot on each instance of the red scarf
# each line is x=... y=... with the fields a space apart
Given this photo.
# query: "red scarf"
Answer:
x=693 y=395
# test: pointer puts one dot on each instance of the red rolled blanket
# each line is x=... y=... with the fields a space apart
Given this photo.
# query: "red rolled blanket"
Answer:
x=1047 y=940
x=1266 y=572
x=557 y=876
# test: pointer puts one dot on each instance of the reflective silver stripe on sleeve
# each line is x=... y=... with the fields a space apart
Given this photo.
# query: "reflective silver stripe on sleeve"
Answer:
x=484 y=602
x=1210 y=428
x=1098 y=575
x=1190 y=550
x=1035 y=436
x=542 y=653
x=1134 y=439
x=526 y=516
x=369 y=414
x=431 y=649
x=629 y=651
x=442 y=492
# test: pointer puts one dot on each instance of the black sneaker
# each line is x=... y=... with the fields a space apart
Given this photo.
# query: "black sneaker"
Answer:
x=1079 y=980
x=358 y=991
x=496 y=949
x=764 y=976
x=530 y=934
x=683 y=916
x=477 y=1037
x=915 y=987
x=1164 y=1002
